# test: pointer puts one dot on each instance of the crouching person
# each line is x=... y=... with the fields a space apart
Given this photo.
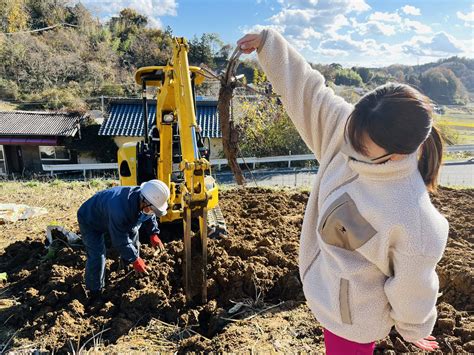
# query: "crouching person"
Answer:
x=120 y=212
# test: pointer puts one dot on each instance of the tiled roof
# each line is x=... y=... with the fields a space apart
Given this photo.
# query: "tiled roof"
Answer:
x=33 y=123
x=126 y=118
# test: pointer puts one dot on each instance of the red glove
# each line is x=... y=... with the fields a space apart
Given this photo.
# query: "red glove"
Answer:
x=139 y=265
x=156 y=242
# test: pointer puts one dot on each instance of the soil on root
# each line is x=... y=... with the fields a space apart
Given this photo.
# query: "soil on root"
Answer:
x=252 y=269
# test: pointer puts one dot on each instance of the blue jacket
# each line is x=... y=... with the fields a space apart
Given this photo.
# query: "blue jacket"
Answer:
x=117 y=211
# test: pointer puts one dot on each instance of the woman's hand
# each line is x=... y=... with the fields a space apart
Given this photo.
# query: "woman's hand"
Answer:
x=427 y=344
x=250 y=42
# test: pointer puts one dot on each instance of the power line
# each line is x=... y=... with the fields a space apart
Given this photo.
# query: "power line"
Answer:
x=41 y=29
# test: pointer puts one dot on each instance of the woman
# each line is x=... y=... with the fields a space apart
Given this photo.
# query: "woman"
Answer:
x=371 y=238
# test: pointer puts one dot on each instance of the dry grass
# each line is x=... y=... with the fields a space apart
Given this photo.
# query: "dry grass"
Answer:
x=61 y=199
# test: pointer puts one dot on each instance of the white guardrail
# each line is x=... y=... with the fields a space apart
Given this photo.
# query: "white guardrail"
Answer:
x=219 y=162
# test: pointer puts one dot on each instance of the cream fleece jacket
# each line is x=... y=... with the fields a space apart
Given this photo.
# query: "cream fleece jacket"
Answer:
x=371 y=237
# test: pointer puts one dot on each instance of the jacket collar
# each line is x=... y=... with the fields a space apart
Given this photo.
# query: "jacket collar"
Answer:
x=391 y=170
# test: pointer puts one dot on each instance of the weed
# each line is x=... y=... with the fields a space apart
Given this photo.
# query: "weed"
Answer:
x=32 y=184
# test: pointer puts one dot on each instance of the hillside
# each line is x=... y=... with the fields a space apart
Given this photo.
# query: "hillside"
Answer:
x=80 y=59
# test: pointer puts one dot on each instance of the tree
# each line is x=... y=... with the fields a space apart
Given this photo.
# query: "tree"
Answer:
x=8 y=90
x=348 y=77
x=204 y=50
x=45 y=13
x=365 y=73
x=379 y=78
x=441 y=85
x=267 y=130
x=14 y=15
x=149 y=47
x=126 y=26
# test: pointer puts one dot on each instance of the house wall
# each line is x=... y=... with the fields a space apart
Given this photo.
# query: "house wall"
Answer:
x=120 y=140
x=216 y=148
x=83 y=158
x=31 y=158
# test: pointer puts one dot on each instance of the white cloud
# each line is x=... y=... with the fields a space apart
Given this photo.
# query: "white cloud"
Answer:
x=338 y=22
x=416 y=26
x=153 y=9
x=336 y=29
x=385 y=17
x=344 y=43
x=259 y=28
x=411 y=10
x=439 y=45
x=467 y=17
x=310 y=33
x=303 y=21
x=388 y=24
x=333 y=52
x=373 y=27
x=358 y=6
x=299 y=17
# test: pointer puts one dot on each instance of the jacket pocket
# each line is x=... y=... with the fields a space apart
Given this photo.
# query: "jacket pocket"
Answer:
x=313 y=260
x=343 y=226
x=344 y=306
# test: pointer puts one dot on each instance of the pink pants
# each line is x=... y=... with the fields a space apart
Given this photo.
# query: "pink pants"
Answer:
x=336 y=345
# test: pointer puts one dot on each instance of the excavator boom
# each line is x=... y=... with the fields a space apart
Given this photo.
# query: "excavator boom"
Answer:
x=170 y=152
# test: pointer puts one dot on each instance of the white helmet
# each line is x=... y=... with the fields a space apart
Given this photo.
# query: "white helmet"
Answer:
x=157 y=193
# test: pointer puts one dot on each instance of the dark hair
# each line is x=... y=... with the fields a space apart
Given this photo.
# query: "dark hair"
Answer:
x=398 y=118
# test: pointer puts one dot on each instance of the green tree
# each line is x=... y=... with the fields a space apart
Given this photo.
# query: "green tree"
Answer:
x=442 y=85
x=8 y=90
x=45 y=13
x=267 y=130
x=379 y=78
x=126 y=26
x=365 y=73
x=14 y=15
x=347 y=77
x=205 y=49
x=150 y=47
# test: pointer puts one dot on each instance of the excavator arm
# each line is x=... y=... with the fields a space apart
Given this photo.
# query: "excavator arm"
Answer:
x=174 y=158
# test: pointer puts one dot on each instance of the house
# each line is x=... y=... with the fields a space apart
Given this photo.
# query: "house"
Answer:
x=29 y=139
x=125 y=122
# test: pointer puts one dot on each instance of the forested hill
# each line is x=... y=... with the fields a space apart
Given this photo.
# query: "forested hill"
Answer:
x=81 y=59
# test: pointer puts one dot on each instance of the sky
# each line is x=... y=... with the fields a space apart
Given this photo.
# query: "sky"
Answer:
x=370 y=33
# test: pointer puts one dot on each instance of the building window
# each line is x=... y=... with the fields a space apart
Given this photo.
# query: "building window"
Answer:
x=3 y=163
x=54 y=153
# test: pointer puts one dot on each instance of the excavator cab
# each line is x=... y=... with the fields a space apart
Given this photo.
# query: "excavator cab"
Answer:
x=174 y=152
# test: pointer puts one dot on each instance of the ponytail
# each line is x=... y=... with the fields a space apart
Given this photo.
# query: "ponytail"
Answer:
x=430 y=159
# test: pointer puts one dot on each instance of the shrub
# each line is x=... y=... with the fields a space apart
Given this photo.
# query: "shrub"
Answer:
x=348 y=77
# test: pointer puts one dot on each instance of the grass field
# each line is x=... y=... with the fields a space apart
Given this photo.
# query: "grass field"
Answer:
x=460 y=119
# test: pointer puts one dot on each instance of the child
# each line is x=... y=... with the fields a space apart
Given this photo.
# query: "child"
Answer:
x=371 y=238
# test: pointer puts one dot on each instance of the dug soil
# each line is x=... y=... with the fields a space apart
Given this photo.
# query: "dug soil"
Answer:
x=255 y=299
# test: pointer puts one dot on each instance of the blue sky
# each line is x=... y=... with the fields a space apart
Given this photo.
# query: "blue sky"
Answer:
x=350 y=32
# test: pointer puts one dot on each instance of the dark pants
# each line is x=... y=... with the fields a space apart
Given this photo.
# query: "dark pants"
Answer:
x=94 y=242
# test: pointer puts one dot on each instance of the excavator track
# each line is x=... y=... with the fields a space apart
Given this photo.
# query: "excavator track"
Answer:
x=216 y=223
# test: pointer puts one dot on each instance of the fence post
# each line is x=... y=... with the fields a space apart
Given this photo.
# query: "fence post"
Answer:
x=289 y=159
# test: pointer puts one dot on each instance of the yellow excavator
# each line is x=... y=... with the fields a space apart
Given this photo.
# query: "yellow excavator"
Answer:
x=173 y=151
